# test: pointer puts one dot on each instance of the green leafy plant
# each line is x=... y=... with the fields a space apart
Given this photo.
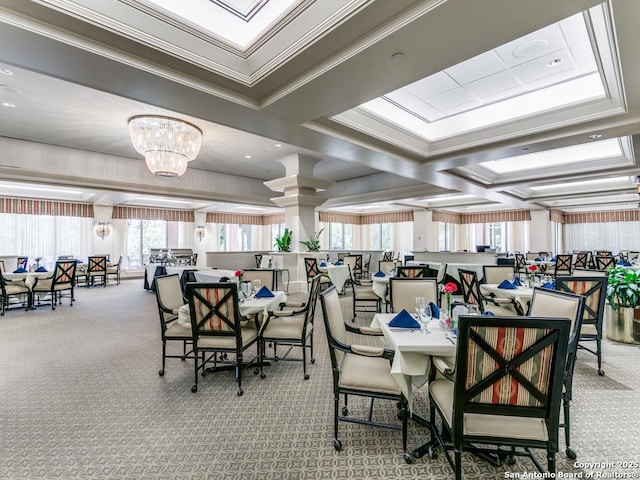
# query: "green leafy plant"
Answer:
x=283 y=242
x=623 y=287
x=313 y=244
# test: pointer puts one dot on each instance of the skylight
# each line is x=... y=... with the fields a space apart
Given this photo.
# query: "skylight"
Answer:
x=600 y=182
x=560 y=156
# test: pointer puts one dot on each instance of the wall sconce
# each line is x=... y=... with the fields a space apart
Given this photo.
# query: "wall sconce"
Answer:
x=103 y=229
x=200 y=232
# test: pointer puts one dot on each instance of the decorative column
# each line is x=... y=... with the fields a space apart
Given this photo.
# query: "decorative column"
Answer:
x=299 y=202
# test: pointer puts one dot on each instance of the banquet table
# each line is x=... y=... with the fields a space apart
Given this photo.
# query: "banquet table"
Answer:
x=29 y=278
x=251 y=306
x=338 y=274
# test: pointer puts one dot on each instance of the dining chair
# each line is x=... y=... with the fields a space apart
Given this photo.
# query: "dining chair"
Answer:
x=404 y=290
x=22 y=262
x=311 y=269
x=506 y=394
x=360 y=370
x=169 y=299
x=554 y=303
x=563 y=264
x=362 y=296
x=267 y=277
x=291 y=327
x=594 y=289
x=258 y=257
x=63 y=279
x=16 y=289
x=471 y=294
x=520 y=263
x=604 y=262
x=366 y=262
x=217 y=327
x=423 y=271
x=97 y=269
x=114 y=270
x=385 y=265
x=583 y=260
x=388 y=256
x=496 y=273
x=356 y=264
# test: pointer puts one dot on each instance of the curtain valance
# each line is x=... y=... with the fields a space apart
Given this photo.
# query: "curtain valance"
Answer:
x=24 y=206
x=142 y=213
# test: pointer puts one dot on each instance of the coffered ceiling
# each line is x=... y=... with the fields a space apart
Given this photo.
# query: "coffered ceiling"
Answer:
x=439 y=104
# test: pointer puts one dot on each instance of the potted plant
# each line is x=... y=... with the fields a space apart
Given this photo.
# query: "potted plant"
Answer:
x=623 y=304
x=313 y=244
x=283 y=242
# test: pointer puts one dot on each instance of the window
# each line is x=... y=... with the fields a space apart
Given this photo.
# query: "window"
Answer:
x=340 y=236
x=497 y=235
x=443 y=237
x=277 y=229
x=141 y=237
x=381 y=236
x=234 y=237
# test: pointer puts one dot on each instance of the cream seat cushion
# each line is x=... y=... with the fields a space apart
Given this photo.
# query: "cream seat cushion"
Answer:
x=178 y=330
x=14 y=289
x=248 y=335
x=487 y=425
x=372 y=374
x=285 y=327
x=367 y=293
x=45 y=286
x=589 y=330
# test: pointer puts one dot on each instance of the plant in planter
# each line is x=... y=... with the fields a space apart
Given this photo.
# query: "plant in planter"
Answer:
x=313 y=244
x=623 y=296
x=283 y=242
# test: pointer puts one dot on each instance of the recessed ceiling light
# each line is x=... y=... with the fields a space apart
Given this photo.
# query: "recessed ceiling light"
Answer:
x=555 y=62
x=530 y=48
x=5 y=71
x=8 y=104
x=247 y=156
x=278 y=145
x=594 y=136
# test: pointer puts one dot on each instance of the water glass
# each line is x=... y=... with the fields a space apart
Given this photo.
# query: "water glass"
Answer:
x=257 y=285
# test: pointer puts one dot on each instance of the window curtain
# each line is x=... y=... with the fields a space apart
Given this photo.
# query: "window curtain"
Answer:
x=45 y=236
x=614 y=236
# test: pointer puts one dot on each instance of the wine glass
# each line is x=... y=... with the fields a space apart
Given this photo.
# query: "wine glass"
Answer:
x=421 y=304
x=257 y=285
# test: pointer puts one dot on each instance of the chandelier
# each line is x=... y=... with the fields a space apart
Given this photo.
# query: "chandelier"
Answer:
x=167 y=144
x=200 y=231
x=103 y=229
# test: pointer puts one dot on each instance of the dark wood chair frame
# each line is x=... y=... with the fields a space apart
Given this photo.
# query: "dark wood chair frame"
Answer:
x=563 y=264
x=5 y=297
x=97 y=265
x=423 y=271
x=603 y=262
x=63 y=273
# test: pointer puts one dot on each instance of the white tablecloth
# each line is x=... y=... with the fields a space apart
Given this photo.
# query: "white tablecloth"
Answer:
x=413 y=349
x=452 y=268
x=380 y=286
x=522 y=295
x=338 y=274
x=250 y=306
x=29 y=278
x=215 y=274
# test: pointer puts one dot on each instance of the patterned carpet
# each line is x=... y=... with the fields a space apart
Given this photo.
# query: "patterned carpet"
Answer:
x=80 y=398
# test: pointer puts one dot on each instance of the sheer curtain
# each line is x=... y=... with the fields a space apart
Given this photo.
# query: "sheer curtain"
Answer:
x=45 y=236
x=614 y=236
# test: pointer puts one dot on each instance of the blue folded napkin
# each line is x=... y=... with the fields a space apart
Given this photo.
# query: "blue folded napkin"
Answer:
x=624 y=263
x=548 y=285
x=338 y=262
x=378 y=274
x=404 y=320
x=489 y=314
x=264 y=292
x=516 y=282
x=553 y=259
x=20 y=270
x=506 y=284
x=323 y=263
x=435 y=311
x=538 y=259
x=41 y=269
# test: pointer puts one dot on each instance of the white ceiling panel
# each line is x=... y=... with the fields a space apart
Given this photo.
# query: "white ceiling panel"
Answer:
x=493 y=85
x=544 y=67
x=482 y=66
x=534 y=45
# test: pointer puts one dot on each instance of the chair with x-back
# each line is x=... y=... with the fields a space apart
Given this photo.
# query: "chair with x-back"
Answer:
x=218 y=328
x=471 y=294
x=520 y=263
x=360 y=370
x=97 y=270
x=423 y=271
x=563 y=265
x=15 y=290
x=169 y=299
x=506 y=391
x=603 y=262
x=62 y=280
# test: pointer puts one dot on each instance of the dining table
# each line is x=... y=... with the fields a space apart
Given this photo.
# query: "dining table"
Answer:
x=338 y=274
x=521 y=295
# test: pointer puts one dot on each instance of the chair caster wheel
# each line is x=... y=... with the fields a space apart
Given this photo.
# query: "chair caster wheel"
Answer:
x=601 y=372
x=408 y=458
x=345 y=411
x=194 y=389
x=313 y=360
x=510 y=460
x=337 y=444
x=263 y=376
x=571 y=453
x=432 y=453
x=306 y=376
x=161 y=373
x=256 y=371
x=240 y=392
